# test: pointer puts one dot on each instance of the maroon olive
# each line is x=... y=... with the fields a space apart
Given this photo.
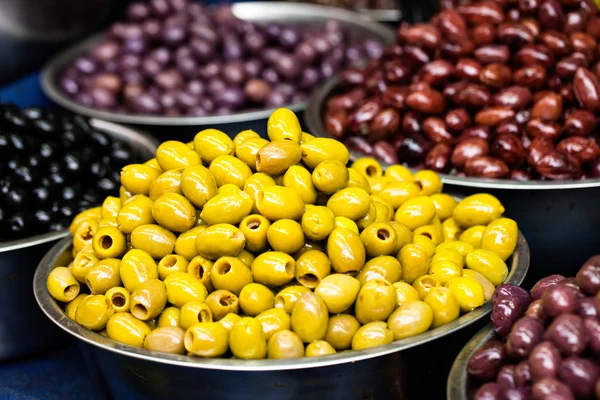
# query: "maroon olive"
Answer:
x=493 y=116
x=385 y=152
x=468 y=69
x=471 y=95
x=524 y=335
x=592 y=329
x=468 y=149
x=438 y=158
x=523 y=373
x=427 y=101
x=435 y=130
x=359 y=144
x=567 y=66
x=580 y=374
x=483 y=34
x=482 y=12
x=336 y=123
x=543 y=128
x=413 y=149
x=437 y=72
x=395 y=96
x=555 y=165
x=505 y=312
x=485 y=363
x=452 y=24
x=588 y=277
x=535 y=55
x=492 y=54
x=509 y=148
x=557 y=42
x=489 y=391
x=583 y=149
x=568 y=334
x=587 y=89
x=575 y=21
x=531 y=76
x=544 y=361
x=536 y=311
x=560 y=299
x=584 y=43
x=495 y=76
x=550 y=14
x=550 y=388
x=385 y=123
x=587 y=307
x=520 y=175
x=579 y=123
x=516 y=393
x=539 y=147
x=481 y=132
x=422 y=35
x=506 y=377
x=508 y=289
x=486 y=167
x=457 y=120
x=515 y=97
x=549 y=107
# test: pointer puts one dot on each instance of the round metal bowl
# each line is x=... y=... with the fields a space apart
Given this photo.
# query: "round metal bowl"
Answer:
x=184 y=128
x=131 y=371
x=460 y=385
x=559 y=218
x=23 y=329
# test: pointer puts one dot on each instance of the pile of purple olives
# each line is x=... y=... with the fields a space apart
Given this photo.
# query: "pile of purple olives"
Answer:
x=551 y=344
x=179 y=58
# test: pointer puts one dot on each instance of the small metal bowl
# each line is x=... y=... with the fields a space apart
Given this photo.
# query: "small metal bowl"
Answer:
x=23 y=329
x=183 y=128
x=460 y=385
x=130 y=372
x=559 y=218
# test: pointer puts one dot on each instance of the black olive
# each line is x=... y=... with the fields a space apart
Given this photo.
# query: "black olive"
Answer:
x=15 y=117
x=45 y=125
x=69 y=139
x=34 y=160
x=66 y=211
x=100 y=139
x=33 y=112
x=15 y=163
x=55 y=168
x=56 y=178
x=16 y=199
x=107 y=185
x=23 y=175
x=56 y=227
x=97 y=170
x=92 y=197
x=47 y=150
x=80 y=122
x=19 y=142
x=72 y=163
x=5 y=144
x=40 y=195
x=42 y=219
x=6 y=183
x=84 y=205
x=17 y=223
x=70 y=193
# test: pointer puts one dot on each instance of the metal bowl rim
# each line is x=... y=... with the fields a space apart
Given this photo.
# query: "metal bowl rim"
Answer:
x=314 y=123
x=146 y=142
x=49 y=75
x=456 y=385
x=56 y=315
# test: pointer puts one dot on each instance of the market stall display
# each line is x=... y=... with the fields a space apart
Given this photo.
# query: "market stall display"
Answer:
x=542 y=344
x=284 y=233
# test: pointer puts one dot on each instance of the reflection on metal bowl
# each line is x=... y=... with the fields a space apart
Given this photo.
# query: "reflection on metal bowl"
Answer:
x=128 y=372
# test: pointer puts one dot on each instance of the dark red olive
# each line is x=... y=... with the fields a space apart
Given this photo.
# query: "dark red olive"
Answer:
x=536 y=311
x=489 y=391
x=568 y=334
x=524 y=335
x=508 y=289
x=580 y=374
x=468 y=149
x=592 y=330
x=560 y=299
x=587 y=307
x=485 y=363
x=506 y=377
x=555 y=165
x=550 y=388
x=438 y=158
x=509 y=148
x=579 y=123
x=540 y=287
x=385 y=152
x=544 y=361
x=359 y=144
x=516 y=393
x=523 y=373
x=588 y=277
x=506 y=311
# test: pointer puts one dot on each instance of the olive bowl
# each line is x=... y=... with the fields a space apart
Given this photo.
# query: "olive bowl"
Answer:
x=460 y=385
x=559 y=218
x=124 y=371
x=184 y=128
x=23 y=329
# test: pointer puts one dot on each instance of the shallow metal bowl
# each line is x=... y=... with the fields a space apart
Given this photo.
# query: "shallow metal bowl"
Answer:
x=132 y=371
x=23 y=329
x=460 y=385
x=184 y=127
x=559 y=218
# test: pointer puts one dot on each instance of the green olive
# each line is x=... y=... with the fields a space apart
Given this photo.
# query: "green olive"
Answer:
x=248 y=149
x=477 y=209
x=444 y=205
x=229 y=208
x=193 y=312
x=198 y=185
x=373 y=334
x=200 y=269
x=276 y=157
x=171 y=263
x=124 y=195
x=444 y=306
x=472 y=235
x=166 y=339
x=398 y=193
x=300 y=179
x=318 y=222
x=317 y=150
x=154 y=164
x=229 y=321
x=212 y=143
x=137 y=266
x=273 y=268
x=403 y=234
x=93 y=213
x=221 y=303
x=230 y=273
x=182 y=288
x=414 y=261
x=429 y=181
x=243 y=136
x=319 y=348
x=346 y=251
x=399 y=173
x=246 y=257
x=148 y=300
x=167 y=182
x=119 y=298
x=286 y=298
x=310 y=318
x=340 y=331
x=273 y=320
x=62 y=285
x=228 y=169
x=468 y=292
x=174 y=212
x=346 y=223
x=206 y=339
x=368 y=218
x=432 y=231
x=255 y=184
x=416 y=212
x=125 y=328
x=278 y=202
x=426 y=243
x=247 y=340
x=256 y=298
x=285 y=344
x=375 y=302
x=104 y=275
x=169 y=317
x=285 y=235
x=450 y=255
x=220 y=240
x=338 y=291
x=444 y=270
x=352 y=203
x=173 y=155
x=137 y=178
x=463 y=248
x=185 y=244
x=93 y=312
x=488 y=264
x=111 y=207
x=153 y=239
x=451 y=230
x=488 y=287
x=356 y=179
x=369 y=167
x=379 y=239
x=71 y=306
x=84 y=234
x=330 y=176
x=84 y=260
x=284 y=124
x=500 y=237
x=410 y=319
x=136 y=212
x=255 y=228
x=383 y=267
x=424 y=284
x=311 y=267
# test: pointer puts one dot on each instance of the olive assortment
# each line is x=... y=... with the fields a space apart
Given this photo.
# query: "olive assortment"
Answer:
x=492 y=89
x=180 y=58
x=257 y=248
x=53 y=167
x=552 y=340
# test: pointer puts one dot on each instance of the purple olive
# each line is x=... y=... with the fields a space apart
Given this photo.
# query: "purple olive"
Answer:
x=506 y=377
x=305 y=53
x=310 y=78
x=196 y=111
x=524 y=335
x=373 y=48
x=489 y=391
x=536 y=311
x=485 y=363
x=523 y=373
x=277 y=98
x=168 y=100
x=215 y=86
x=85 y=65
x=592 y=329
x=287 y=66
x=232 y=98
x=129 y=61
x=135 y=46
x=255 y=42
x=257 y=90
x=289 y=37
x=138 y=11
x=187 y=66
x=186 y=99
x=516 y=393
x=550 y=388
x=161 y=55
x=103 y=98
x=211 y=70
x=517 y=292
x=233 y=73
x=568 y=334
x=105 y=51
x=152 y=29
x=560 y=299
x=505 y=312
x=587 y=307
x=195 y=87
x=580 y=374
x=270 y=76
x=588 y=277
x=543 y=284
x=169 y=79
x=202 y=49
x=144 y=103
x=232 y=49
x=544 y=360
x=69 y=86
x=204 y=31
x=253 y=67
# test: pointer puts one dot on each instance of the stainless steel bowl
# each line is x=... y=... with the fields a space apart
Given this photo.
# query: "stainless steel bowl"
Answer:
x=559 y=218
x=460 y=385
x=184 y=128
x=133 y=372
x=23 y=329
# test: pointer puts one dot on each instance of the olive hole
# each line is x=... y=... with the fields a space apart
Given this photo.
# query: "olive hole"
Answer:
x=170 y=262
x=428 y=283
x=253 y=224
x=204 y=316
x=188 y=339
x=223 y=268
x=371 y=170
x=139 y=311
x=88 y=235
x=106 y=242
x=200 y=271
x=309 y=280
x=383 y=234
x=89 y=285
x=418 y=183
x=428 y=235
x=289 y=267
x=351 y=273
x=118 y=300
x=71 y=291
x=260 y=196
x=279 y=302
x=227 y=301
x=258 y=160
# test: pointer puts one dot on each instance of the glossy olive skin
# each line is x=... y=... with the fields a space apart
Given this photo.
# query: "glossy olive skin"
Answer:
x=273 y=320
x=500 y=237
x=286 y=298
x=352 y=203
x=425 y=243
x=173 y=154
x=273 y=268
x=185 y=244
x=277 y=156
x=340 y=331
x=375 y=302
x=356 y=179
x=283 y=124
x=246 y=339
x=444 y=270
x=182 y=288
x=285 y=344
x=220 y=240
x=416 y=212
x=425 y=284
x=278 y=202
x=468 y=292
x=228 y=169
x=206 y=339
x=285 y=235
x=317 y=150
x=171 y=263
x=382 y=267
x=463 y=248
x=62 y=285
x=243 y=136
x=319 y=348
x=488 y=287
x=346 y=251
x=444 y=205
x=230 y=273
x=318 y=222
x=166 y=339
x=444 y=305
x=473 y=235
x=309 y=318
x=228 y=321
x=248 y=149
x=212 y=143
x=119 y=298
x=403 y=233
x=93 y=313
x=397 y=193
x=137 y=266
x=167 y=182
x=487 y=360
x=92 y=213
x=379 y=238
x=256 y=298
x=488 y=264
x=169 y=317
x=137 y=178
x=174 y=212
x=110 y=207
x=255 y=184
x=368 y=166
x=136 y=212
x=330 y=176
x=104 y=275
x=373 y=334
x=254 y=228
x=148 y=300
x=227 y=208
x=84 y=233
x=71 y=307
x=338 y=291
x=405 y=293
x=125 y=328
x=451 y=230
x=193 y=312
x=153 y=239
x=477 y=209
x=198 y=185
x=399 y=173
x=346 y=223
x=221 y=303
x=414 y=261
x=411 y=318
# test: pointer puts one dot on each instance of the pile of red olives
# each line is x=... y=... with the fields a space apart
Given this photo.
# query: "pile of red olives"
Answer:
x=552 y=340
x=257 y=248
x=493 y=89
x=179 y=58
x=53 y=167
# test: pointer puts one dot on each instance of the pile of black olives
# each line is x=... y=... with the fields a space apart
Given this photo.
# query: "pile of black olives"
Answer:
x=552 y=340
x=53 y=167
x=179 y=58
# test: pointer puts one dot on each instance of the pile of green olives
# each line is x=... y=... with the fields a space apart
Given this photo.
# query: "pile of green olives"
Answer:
x=257 y=248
